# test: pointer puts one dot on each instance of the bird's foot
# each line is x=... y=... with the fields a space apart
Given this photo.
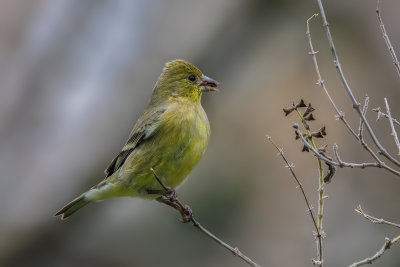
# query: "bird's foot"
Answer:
x=167 y=193
x=187 y=214
x=169 y=197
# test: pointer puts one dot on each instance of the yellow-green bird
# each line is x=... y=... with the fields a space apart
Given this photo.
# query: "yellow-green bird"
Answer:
x=170 y=137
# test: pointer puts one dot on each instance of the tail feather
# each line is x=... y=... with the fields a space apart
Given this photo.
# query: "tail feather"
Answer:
x=72 y=207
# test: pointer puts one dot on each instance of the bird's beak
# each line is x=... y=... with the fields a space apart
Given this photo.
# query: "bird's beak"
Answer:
x=207 y=84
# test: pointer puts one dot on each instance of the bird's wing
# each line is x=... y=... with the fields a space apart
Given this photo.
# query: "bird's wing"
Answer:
x=143 y=130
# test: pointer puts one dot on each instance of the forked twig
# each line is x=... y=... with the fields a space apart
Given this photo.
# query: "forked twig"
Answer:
x=360 y=136
x=319 y=235
x=351 y=164
x=386 y=38
x=387 y=245
x=321 y=82
x=361 y=111
x=321 y=188
x=340 y=163
x=383 y=114
x=394 y=133
x=374 y=219
x=388 y=242
x=196 y=224
x=356 y=104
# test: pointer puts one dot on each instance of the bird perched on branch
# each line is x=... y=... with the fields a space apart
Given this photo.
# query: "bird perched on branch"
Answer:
x=169 y=138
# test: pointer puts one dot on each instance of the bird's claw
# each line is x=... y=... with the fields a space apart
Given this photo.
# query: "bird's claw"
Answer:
x=187 y=214
x=170 y=197
x=170 y=193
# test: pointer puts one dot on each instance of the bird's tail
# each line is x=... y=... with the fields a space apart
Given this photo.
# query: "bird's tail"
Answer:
x=72 y=207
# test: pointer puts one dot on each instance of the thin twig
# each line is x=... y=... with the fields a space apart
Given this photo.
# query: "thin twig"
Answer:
x=380 y=114
x=356 y=104
x=386 y=38
x=374 y=219
x=341 y=163
x=321 y=82
x=364 y=111
x=309 y=207
x=352 y=165
x=320 y=189
x=387 y=245
x=196 y=224
x=394 y=133
x=359 y=137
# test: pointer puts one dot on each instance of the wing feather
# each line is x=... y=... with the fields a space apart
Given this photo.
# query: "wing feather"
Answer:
x=143 y=130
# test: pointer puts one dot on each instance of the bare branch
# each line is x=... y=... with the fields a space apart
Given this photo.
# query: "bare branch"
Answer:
x=341 y=163
x=386 y=38
x=321 y=183
x=321 y=82
x=382 y=114
x=364 y=111
x=352 y=165
x=359 y=137
x=290 y=167
x=196 y=224
x=374 y=219
x=394 y=133
x=309 y=207
x=387 y=245
x=356 y=104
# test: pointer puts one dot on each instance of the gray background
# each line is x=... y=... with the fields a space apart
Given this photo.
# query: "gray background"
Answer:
x=75 y=76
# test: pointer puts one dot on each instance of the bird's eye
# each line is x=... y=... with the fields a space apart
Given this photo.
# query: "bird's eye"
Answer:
x=192 y=78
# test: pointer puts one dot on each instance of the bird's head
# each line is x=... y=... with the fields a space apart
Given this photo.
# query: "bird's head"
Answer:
x=181 y=80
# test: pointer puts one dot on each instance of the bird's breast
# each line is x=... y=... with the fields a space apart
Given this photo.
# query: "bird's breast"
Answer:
x=186 y=133
x=188 y=127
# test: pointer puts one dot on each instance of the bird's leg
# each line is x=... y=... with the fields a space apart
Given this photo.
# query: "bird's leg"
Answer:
x=170 y=198
x=167 y=192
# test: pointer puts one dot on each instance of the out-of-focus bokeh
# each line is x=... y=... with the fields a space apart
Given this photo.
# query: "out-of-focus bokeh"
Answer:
x=75 y=76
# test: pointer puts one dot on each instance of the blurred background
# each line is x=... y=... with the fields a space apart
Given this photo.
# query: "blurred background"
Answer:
x=75 y=76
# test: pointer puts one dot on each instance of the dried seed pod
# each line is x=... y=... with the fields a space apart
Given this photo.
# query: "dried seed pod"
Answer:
x=288 y=111
x=322 y=130
x=320 y=133
x=308 y=110
x=305 y=149
x=317 y=135
x=301 y=104
x=309 y=117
